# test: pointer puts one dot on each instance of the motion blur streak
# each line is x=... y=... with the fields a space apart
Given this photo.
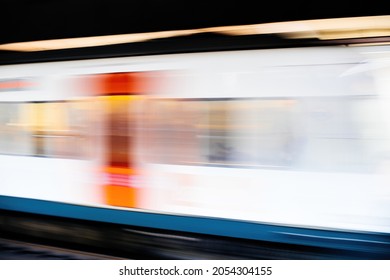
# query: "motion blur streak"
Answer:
x=295 y=137
x=324 y=29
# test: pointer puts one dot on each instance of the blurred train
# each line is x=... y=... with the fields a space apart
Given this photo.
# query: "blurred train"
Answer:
x=284 y=145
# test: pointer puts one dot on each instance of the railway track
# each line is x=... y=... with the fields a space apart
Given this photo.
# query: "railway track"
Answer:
x=20 y=250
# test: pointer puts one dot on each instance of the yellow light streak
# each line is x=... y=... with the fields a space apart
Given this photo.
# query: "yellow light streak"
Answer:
x=324 y=29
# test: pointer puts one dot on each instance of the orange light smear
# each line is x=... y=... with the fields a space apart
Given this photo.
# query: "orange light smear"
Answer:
x=120 y=196
x=119 y=170
x=123 y=83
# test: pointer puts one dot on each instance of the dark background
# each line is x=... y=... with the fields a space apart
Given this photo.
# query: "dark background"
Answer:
x=27 y=20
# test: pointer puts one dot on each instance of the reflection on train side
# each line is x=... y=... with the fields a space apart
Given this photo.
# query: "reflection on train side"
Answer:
x=322 y=134
x=329 y=134
x=49 y=129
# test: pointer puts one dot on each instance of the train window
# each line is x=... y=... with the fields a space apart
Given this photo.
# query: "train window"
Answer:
x=331 y=134
x=371 y=117
x=231 y=132
x=170 y=133
x=335 y=135
x=249 y=132
x=59 y=129
x=15 y=138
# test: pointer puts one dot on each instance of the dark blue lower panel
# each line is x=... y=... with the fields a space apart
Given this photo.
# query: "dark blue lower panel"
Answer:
x=356 y=241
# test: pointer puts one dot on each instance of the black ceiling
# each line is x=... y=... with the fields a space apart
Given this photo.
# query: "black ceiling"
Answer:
x=27 y=20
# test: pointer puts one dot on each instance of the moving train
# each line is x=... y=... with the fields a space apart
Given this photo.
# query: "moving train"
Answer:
x=279 y=145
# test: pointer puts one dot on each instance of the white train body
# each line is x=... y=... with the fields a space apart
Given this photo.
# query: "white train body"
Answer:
x=296 y=137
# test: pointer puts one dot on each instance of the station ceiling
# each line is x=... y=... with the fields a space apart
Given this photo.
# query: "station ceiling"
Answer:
x=31 y=20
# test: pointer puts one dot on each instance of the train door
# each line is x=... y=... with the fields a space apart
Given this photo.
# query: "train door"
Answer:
x=121 y=94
